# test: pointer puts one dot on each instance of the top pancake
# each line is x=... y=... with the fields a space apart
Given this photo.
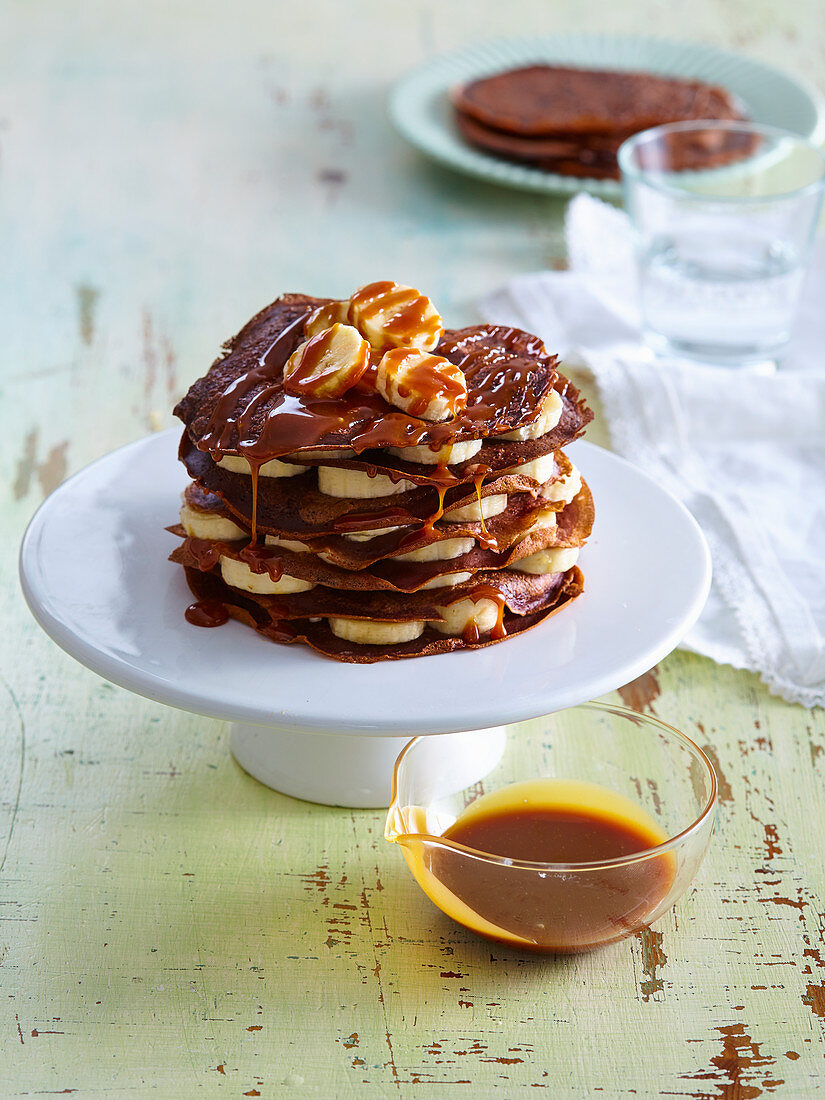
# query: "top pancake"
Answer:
x=241 y=399
x=543 y=100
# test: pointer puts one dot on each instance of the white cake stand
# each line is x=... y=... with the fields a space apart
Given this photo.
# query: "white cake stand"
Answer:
x=94 y=570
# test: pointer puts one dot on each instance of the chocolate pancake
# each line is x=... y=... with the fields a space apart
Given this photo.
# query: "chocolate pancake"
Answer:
x=548 y=100
x=520 y=592
x=293 y=506
x=518 y=147
x=573 y=526
x=508 y=375
x=253 y=611
x=499 y=533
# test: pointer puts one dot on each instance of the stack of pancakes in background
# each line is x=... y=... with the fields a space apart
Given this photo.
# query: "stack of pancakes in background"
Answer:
x=572 y=121
x=376 y=487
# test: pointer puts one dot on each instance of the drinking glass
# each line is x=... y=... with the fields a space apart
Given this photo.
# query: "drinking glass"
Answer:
x=724 y=215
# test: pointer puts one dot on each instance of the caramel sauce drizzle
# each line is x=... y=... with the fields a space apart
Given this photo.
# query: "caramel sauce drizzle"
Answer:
x=206 y=554
x=262 y=559
x=404 y=314
x=306 y=377
x=426 y=377
x=254 y=469
x=490 y=592
x=207 y=613
x=478 y=481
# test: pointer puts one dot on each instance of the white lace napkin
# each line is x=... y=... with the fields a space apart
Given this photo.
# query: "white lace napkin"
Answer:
x=745 y=453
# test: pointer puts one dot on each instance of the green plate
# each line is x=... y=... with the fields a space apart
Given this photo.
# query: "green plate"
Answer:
x=420 y=109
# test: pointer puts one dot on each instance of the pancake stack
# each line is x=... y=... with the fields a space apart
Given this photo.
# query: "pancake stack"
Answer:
x=572 y=121
x=373 y=486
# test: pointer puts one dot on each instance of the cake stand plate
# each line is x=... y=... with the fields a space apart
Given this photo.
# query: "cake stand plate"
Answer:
x=94 y=570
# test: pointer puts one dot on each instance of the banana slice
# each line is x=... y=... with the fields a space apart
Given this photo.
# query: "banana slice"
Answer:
x=438 y=551
x=209 y=525
x=565 y=488
x=328 y=364
x=392 y=315
x=424 y=385
x=372 y=633
x=338 y=482
x=545 y=521
x=555 y=560
x=237 y=574
x=274 y=468
x=325 y=317
x=540 y=469
x=332 y=453
x=446 y=580
x=485 y=508
x=287 y=544
x=457 y=616
x=547 y=419
x=372 y=533
x=451 y=452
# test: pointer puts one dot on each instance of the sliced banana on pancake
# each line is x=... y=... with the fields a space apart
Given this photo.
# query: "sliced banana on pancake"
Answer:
x=276 y=467
x=393 y=315
x=328 y=364
x=457 y=616
x=325 y=316
x=365 y=632
x=540 y=469
x=449 y=454
x=336 y=481
x=237 y=574
x=426 y=386
x=485 y=508
x=210 y=525
x=438 y=551
x=565 y=488
x=557 y=559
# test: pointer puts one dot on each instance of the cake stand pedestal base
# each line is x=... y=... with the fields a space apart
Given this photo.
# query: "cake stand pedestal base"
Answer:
x=346 y=769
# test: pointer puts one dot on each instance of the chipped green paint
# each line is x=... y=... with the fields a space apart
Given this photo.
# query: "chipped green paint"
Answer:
x=167 y=925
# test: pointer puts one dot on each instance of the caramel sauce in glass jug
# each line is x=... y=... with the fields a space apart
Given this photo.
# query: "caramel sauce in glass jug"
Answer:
x=528 y=874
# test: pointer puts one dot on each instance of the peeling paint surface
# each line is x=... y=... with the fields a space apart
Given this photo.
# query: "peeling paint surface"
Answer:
x=168 y=926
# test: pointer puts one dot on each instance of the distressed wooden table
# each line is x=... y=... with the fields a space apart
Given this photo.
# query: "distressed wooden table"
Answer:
x=167 y=925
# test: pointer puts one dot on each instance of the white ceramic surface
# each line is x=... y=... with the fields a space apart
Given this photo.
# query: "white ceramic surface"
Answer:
x=351 y=769
x=420 y=109
x=94 y=571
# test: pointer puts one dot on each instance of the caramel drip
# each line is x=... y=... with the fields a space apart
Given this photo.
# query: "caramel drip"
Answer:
x=206 y=554
x=230 y=409
x=262 y=559
x=207 y=613
x=490 y=592
x=439 y=512
x=471 y=634
x=254 y=469
x=478 y=481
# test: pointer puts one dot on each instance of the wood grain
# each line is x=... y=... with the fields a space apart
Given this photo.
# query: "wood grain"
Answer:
x=167 y=925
